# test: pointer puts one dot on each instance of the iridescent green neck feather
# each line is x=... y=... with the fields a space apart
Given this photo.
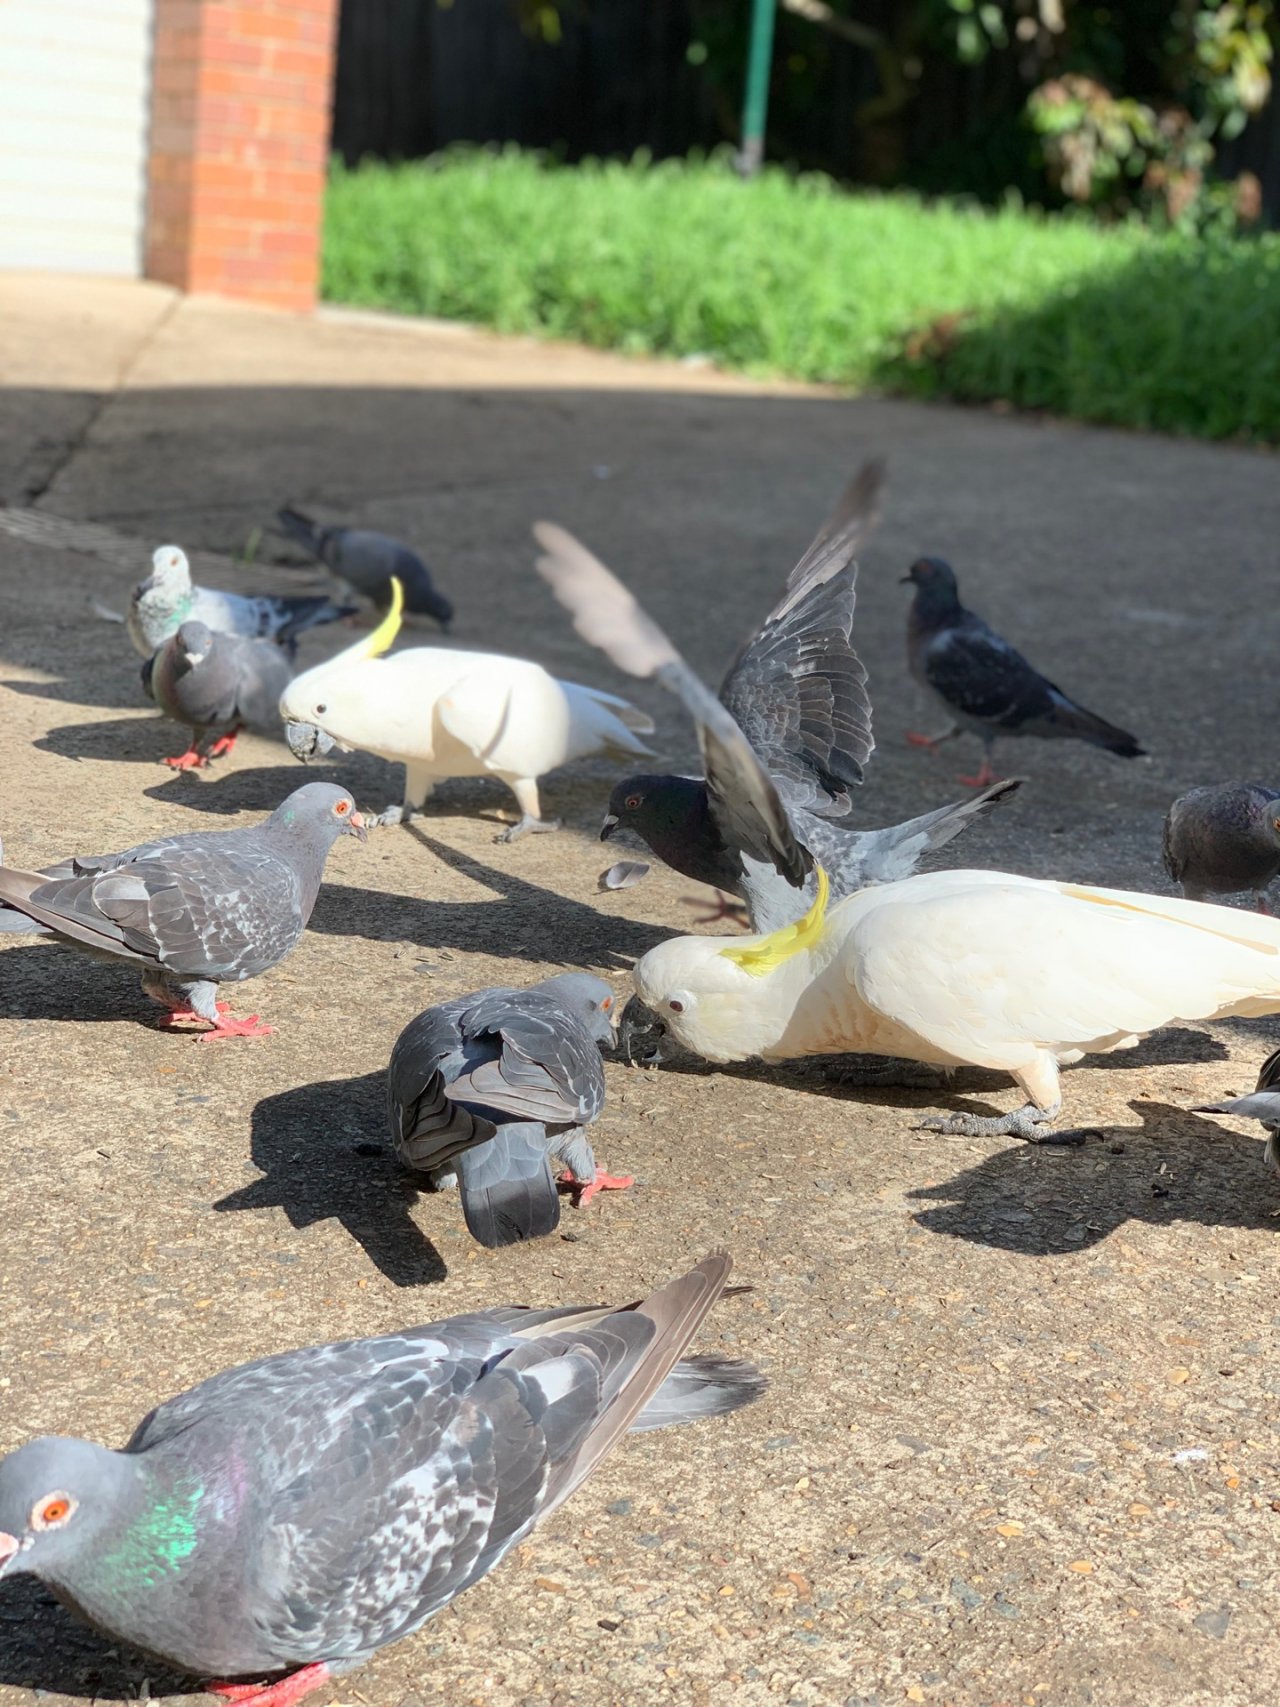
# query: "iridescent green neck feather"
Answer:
x=154 y=1543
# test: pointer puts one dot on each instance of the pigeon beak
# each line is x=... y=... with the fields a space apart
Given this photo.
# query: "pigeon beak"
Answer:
x=609 y=826
x=10 y=1547
x=906 y=581
x=640 y=1034
x=356 y=826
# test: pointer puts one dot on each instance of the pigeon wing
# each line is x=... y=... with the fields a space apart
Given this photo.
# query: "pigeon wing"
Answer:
x=748 y=807
x=798 y=690
x=982 y=676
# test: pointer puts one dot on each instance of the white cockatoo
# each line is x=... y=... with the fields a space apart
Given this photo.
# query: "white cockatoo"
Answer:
x=445 y=713
x=975 y=968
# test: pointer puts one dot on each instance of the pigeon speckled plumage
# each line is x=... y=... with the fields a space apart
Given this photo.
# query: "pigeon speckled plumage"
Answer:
x=783 y=744
x=197 y=910
x=490 y=1086
x=1262 y=1104
x=982 y=683
x=294 y=1515
x=1224 y=840
x=168 y=598
x=216 y=684
x=364 y=562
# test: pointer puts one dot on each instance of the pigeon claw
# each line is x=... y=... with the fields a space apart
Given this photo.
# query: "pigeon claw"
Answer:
x=226 y=1026
x=180 y=1016
x=726 y=908
x=584 y=1190
x=223 y=744
x=985 y=777
x=280 y=1694
x=928 y=742
x=191 y=760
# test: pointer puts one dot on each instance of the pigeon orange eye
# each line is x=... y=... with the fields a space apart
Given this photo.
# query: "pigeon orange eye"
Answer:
x=342 y=808
x=1276 y=823
x=52 y=1511
x=607 y=1003
x=676 y=1007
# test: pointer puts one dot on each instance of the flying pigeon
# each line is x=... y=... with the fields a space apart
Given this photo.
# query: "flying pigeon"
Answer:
x=488 y=1087
x=217 y=684
x=443 y=713
x=288 y=1518
x=168 y=598
x=1220 y=841
x=1262 y=1104
x=782 y=745
x=976 y=968
x=197 y=910
x=983 y=683
x=365 y=562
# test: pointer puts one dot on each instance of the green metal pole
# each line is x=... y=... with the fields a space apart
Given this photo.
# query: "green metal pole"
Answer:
x=755 y=105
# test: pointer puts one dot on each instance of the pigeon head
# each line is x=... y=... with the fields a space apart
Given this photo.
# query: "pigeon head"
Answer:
x=170 y=574
x=435 y=605
x=57 y=1496
x=194 y=642
x=654 y=807
x=322 y=806
x=935 y=583
x=588 y=997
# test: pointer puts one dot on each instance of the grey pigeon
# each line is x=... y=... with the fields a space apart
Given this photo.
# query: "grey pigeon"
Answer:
x=1223 y=840
x=197 y=910
x=782 y=746
x=294 y=1515
x=167 y=598
x=364 y=562
x=491 y=1085
x=217 y=684
x=1262 y=1104
x=985 y=685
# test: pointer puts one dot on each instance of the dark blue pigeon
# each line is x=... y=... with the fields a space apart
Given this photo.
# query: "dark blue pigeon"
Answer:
x=287 y=1519
x=217 y=685
x=985 y=685
x=485 y=1090
x=1224 y=840
x=364 y=562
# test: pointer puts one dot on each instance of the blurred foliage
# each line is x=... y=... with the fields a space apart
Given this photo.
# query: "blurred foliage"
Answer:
x=790 y=275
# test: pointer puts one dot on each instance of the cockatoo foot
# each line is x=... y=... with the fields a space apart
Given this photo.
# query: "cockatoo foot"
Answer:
x=393 y=815
x=528 y=826
x=1026 y=1122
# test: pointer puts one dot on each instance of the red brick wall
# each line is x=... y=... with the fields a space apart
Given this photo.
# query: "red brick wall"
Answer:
x=239 y=142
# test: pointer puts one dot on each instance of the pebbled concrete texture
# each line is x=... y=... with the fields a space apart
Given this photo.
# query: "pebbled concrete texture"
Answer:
x=1021 y=1442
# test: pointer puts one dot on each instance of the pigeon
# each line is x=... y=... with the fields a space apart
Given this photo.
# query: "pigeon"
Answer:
x=286 y=1519
x=444 y=713
x=365 y=562
x=217 y=684
x=197 y=910
x=955 y=968
x=782 y=745
x=167 y=598
x=496 y=1083
x=1262 y=1104
x=1220 y=841
x=983 y=683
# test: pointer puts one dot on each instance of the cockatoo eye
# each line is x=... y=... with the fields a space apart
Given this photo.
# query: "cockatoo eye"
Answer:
x=321 y=709
x=676 y=1006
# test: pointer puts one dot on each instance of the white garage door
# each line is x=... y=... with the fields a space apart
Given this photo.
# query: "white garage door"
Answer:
x=75 y=81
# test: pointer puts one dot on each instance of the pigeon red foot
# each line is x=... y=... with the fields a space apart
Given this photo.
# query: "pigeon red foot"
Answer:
x=584 y=1190
x=282 y=1694
x=223 y=744
x=179 y=1015
x=985 y=777
x=727 y=907
x=227 y=1026
x=191 y=760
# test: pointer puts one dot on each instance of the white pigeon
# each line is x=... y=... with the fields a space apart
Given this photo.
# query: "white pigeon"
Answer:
x=975 y=968
x=168 y=597
x=446 y=713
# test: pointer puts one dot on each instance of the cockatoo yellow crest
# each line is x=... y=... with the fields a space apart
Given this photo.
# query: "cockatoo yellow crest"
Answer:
x=769 y=952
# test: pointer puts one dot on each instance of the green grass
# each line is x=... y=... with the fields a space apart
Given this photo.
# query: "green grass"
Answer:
x=792 y=276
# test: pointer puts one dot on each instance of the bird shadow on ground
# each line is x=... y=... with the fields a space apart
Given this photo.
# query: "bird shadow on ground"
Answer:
x=129 y=740
x=517 y=920
x=1039 y=1200
x=258 y=788
x=45 y=1648
x=117 y=695
x=52 y=981
x=319 y=1150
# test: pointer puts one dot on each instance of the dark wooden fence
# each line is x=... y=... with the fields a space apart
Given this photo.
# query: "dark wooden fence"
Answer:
x=414 y=76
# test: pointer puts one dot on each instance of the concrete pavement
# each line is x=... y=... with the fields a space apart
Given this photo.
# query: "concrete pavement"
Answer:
x=1022 y=1442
